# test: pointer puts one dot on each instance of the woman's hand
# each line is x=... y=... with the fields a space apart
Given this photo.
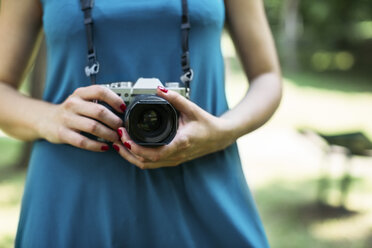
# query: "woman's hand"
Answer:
x=199 y=133
x=65 y=122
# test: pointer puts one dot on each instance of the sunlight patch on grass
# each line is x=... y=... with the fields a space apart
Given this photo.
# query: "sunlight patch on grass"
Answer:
x=325 y=110
x=7 y=241
x=8 y=223
x=8 y=194
x=352 y=228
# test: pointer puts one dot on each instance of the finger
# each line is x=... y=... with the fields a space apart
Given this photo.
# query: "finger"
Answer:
x=139 y=161
x=73 y=138
x=179 y=102
x=128 y=150
x=101 y=93
x=93 y=127
x=152 y=154
x=152 y=165
x=98 y=112
x=131 y=158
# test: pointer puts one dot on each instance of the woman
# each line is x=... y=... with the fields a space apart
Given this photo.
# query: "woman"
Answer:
x=80 y=193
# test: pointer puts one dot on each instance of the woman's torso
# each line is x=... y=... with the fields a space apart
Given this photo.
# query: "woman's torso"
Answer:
x=77 y=198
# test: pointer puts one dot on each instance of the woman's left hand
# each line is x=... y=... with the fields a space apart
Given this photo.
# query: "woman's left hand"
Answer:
x=199 y=133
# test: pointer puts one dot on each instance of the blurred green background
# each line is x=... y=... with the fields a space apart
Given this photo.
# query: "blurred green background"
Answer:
x=311 y=188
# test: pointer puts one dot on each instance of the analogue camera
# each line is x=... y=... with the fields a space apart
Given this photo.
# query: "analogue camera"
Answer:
x=150 y=120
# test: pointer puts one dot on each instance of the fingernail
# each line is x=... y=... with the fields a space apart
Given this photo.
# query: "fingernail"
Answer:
x=127 y=145
x=123 y=107
x=162 y=89
x=120 y=132
x=116 y=147
x=105 y=148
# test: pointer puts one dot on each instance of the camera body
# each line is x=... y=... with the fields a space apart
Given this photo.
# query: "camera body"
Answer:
x=150 y=120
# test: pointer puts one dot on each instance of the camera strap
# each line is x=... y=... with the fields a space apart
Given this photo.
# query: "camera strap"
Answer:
x=92 y=67
x=188 y=73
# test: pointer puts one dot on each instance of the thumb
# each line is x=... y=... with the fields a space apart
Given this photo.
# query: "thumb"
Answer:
x=178 y=101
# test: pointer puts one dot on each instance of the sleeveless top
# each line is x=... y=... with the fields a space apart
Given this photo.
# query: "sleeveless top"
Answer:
x=78 y=198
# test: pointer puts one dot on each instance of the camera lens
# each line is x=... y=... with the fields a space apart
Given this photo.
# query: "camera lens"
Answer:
x=151 y=120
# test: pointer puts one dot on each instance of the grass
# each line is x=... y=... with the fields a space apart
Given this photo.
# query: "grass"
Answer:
x=294 y=218
x=283 y=167
x=9 y=151
x=340 y=81
x=11 y=189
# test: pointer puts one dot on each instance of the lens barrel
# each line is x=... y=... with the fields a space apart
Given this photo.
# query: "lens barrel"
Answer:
x=151 y=120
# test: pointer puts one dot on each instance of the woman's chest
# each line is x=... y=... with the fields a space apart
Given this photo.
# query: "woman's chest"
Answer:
x=65 y=18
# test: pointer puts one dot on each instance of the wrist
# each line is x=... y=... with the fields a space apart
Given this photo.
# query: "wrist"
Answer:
x=235 y=127
x=44 y=120
x=228 y=131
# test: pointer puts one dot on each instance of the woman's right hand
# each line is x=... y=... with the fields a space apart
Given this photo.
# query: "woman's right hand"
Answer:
x=78 y=113
x=28 y=119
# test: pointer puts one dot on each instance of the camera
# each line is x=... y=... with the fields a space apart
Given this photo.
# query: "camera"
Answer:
x=150 y=120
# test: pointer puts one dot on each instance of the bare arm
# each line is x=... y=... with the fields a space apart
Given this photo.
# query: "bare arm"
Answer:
x=29 y=119
x=250 y=32
x=20 y=24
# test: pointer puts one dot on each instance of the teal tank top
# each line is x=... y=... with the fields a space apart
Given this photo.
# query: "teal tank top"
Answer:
x=78 y=198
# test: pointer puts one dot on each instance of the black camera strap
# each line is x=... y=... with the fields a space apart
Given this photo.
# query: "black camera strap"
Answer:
x=92 y=67
x=185 y=58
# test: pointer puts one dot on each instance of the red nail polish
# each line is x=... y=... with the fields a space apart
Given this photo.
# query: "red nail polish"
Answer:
x=105 y=148
x=127 y=145
x=162 y=89
x=123 y=107
x=120 y=133
x=116 y=147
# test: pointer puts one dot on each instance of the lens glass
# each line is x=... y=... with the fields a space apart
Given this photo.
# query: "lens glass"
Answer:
x=149 y=121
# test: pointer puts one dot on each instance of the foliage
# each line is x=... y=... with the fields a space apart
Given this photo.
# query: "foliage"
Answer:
x=333 y=26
